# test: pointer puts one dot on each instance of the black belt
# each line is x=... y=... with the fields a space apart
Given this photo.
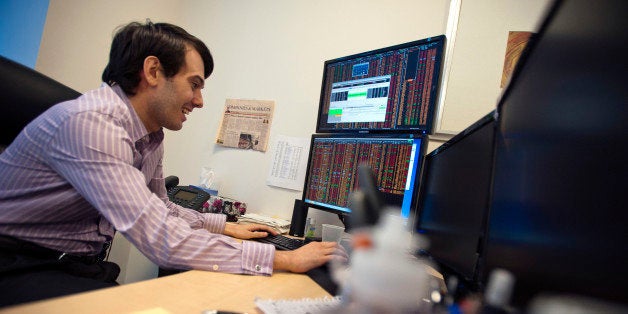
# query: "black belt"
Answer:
x=17 y=246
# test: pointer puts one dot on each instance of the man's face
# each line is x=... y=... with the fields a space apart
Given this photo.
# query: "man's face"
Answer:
x=177 y=96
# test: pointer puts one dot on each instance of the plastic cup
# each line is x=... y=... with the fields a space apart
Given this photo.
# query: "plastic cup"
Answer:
x=332 y=233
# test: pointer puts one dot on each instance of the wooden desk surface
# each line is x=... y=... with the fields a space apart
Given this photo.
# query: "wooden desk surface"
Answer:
x=188 y=292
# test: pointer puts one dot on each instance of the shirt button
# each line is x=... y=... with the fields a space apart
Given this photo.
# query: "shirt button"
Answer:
x=258 y=267
x=215 y=267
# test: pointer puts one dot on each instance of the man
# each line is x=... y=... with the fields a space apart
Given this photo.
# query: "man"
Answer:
x=91 y=166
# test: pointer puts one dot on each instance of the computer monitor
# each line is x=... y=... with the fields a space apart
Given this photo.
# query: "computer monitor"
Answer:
x=393 y=88
x=559 y=209
x=333 y=166
x=454 y=199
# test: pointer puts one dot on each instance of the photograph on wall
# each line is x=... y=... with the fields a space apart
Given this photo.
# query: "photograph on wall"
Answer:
x=515 y=45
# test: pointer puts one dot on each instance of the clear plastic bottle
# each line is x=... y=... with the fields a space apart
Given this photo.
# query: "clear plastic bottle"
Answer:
x=311 y=228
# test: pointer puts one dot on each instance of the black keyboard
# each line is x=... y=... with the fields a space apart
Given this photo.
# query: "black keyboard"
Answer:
x=282 y=242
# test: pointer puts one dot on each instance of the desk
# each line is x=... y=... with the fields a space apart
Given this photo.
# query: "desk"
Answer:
x=188 y=292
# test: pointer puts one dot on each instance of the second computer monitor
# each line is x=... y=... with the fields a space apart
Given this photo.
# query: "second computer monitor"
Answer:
x=333 y=165
x=454 y=199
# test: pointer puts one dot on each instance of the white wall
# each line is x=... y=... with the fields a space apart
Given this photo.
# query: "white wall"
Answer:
x=474 y=81
x=77 y=36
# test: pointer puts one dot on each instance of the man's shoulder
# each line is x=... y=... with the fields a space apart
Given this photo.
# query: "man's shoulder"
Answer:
x=101 y=101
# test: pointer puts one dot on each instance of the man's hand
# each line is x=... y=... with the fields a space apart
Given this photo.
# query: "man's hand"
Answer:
x=248 y=231
x=309 y=256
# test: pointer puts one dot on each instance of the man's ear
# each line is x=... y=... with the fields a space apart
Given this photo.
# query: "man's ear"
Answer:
x=150 y=70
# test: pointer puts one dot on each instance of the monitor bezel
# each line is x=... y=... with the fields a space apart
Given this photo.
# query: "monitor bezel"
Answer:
x=421 y=154
x=429 y=127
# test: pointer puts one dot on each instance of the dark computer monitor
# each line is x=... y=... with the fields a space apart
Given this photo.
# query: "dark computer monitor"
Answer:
x=559 y=209
x=454 y=199
x=393 y=88
x=332 y=171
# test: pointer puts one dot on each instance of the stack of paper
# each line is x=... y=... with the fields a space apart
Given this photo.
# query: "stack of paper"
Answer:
x=300 y=306
x=281 y=225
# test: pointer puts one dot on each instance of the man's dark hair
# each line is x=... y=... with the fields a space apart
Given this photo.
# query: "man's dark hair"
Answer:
x=134 y=42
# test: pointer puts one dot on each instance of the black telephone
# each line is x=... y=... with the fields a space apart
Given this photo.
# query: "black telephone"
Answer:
x=186 y=196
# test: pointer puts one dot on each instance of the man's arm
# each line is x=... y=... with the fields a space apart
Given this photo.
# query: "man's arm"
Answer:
x=309 y=256
x=95 y=155
x=248 y=231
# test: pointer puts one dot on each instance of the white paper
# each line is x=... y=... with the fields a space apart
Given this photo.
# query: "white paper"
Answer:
x=289 y=162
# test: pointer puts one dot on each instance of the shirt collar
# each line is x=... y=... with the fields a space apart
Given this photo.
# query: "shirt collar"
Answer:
x=138 y=130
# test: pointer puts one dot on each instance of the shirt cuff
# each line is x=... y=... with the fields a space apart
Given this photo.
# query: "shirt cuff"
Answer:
x=215 y=223
x=257 y=258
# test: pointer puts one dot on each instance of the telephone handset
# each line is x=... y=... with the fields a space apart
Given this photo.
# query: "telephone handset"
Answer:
x=188 y=196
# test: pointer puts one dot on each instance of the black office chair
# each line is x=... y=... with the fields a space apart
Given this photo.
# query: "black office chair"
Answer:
x=25 y=94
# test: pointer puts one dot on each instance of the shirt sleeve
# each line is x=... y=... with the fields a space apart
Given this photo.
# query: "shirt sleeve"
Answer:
x=95 y=155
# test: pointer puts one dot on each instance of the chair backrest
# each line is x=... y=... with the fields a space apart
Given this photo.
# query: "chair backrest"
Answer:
x=24 y=94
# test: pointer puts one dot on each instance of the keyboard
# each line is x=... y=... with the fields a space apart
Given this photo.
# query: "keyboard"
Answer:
x=282 y=242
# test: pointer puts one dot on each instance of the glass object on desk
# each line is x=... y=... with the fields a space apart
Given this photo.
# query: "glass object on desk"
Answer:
x=332 y=233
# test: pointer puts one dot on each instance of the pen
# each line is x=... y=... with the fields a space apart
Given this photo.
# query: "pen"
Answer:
x=219 y=312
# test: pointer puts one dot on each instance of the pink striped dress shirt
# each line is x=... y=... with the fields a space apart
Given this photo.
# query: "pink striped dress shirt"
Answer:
x=88 y=167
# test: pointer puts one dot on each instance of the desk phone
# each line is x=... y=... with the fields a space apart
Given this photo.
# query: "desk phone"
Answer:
x=188 y=196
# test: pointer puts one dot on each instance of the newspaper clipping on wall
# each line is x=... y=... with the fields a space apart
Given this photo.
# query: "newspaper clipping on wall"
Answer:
x=246 y=124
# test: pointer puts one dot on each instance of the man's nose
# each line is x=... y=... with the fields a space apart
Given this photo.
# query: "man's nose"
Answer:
x=198 y=99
